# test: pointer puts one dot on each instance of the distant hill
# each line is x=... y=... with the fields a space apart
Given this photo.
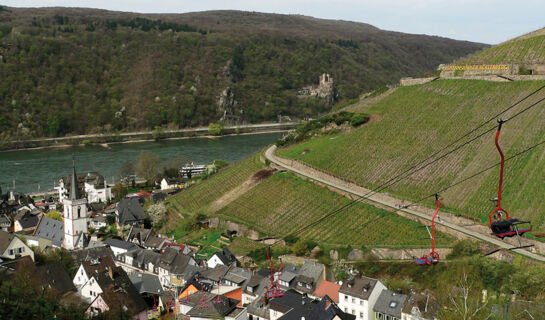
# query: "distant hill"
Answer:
x=72 y=70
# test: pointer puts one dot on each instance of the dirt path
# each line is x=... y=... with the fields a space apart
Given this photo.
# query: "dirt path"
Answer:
x=234 y=194
x=459 y=227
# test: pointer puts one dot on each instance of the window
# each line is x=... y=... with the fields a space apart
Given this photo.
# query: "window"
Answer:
x=79 y=212
x=345 y=309
x=10 y=252
x=353 y=312
x=353 y=300
x=361 y=302
x=361 y=315
x=345 y=298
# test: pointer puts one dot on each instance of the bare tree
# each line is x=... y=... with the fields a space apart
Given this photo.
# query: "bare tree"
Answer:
x=148 y=165
x=465 y=301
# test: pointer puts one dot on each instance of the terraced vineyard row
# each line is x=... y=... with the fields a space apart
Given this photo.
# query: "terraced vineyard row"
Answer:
x=415 y=121
x=525 y=50
x=201 y=195
x=283 y=203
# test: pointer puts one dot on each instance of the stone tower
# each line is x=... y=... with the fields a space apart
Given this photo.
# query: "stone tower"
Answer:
x=75 y=215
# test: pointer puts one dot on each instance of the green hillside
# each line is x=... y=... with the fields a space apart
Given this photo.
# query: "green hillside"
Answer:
x=72 y=71
x=283 y=203
x=413 y=122
x=527 y=49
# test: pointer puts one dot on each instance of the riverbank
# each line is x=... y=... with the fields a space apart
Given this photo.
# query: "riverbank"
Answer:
x=143 y=136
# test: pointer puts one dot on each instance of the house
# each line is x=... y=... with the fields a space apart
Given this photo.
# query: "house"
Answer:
x=358 y=295
x=327 y=288
x=205 y=305
x=193 y=285
x=256 y=286
x=310 y=275
x=138 y=235
x=119 y=246
x=320 y=309
x=98 y=221
x=420 y=307
x=5 y=223
x=50 y=229
x=172 y=183
x=129 y=212
x=27 y=223
x=139 y=259
x=11 y=246
x=91 y=253
x=117 y=293
x=148 y=285
x=54 y=276
x=222 y=257
x=83 y=279
x=287 y=276
x=296 y=306
x=236 y=277
x=173 y=264
x=92 y=184
x=389 y=305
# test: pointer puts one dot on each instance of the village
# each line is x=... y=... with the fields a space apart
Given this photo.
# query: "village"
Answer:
x=119 y=263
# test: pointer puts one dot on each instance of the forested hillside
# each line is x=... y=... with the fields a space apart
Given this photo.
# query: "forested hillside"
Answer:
x=72 y=71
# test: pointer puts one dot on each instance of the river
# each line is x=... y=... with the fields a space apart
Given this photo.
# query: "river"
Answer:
x=39 y=170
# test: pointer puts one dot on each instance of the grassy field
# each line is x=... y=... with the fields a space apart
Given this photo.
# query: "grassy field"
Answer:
x=523 y=50
x=415 y=121
x=196 y=198
x=283 y=203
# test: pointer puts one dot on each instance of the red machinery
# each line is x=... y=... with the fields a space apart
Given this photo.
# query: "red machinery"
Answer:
x=273 y=289
x=432 y=257
x=501 y=224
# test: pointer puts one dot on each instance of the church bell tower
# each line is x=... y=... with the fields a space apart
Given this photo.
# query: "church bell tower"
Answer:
x=75 y=215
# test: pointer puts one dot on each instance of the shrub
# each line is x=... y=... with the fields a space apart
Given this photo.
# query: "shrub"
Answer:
x=86 y=142
x=464 y=248
x=214 y=129
x=358 y=119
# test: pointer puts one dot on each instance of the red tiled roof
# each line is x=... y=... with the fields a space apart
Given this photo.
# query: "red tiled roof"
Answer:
x=328 y=288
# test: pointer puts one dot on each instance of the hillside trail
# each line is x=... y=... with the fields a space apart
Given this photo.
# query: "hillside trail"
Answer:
x=448 y=223
x=235 y=193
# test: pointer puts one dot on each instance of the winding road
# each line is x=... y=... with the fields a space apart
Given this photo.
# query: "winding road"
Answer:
x=387 y=200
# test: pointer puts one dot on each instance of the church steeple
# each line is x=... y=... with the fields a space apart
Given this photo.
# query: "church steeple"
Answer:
x=74 y=190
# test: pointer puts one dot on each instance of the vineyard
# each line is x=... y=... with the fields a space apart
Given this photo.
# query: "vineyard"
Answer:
x=522 y=50
x=418 y=120
x=284 y=203
x=196 y=198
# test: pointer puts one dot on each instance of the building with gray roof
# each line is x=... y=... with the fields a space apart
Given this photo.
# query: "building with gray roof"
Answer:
x=50 y=229
x=389 y=305
x=129 y=212
x=310 y=275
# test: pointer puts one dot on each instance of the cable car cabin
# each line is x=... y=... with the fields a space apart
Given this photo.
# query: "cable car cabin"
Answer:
x=509 y=228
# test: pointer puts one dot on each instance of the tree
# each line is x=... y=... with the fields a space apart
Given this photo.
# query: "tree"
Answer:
x=158 y=133
x=157 y=213
x=54 y=215
x=300 y=248
x=126 y=170
x=148 y=166
x=214 y=129
x=119 y=191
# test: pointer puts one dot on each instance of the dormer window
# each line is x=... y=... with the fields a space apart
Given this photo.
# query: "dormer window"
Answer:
x=250 y=289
